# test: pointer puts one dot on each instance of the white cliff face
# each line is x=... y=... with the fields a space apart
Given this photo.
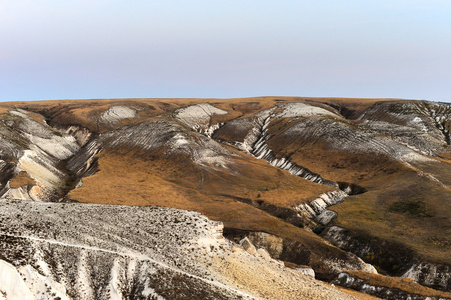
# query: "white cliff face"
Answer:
x=40 y=168
x=12 y=285
x=317 y=209
x=296 y=110
x=36 y=149
x=75 y=251
x=55 y=143
x=60 y=147
x=198 y=115
x=43 y=285
x=115 y=114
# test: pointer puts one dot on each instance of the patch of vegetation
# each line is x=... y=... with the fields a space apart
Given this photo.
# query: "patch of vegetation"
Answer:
x=411 y=207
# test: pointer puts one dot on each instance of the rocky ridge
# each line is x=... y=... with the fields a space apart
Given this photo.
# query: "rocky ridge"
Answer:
x=384 y=292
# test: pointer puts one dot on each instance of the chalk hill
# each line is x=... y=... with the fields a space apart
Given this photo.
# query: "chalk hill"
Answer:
x=338 y=188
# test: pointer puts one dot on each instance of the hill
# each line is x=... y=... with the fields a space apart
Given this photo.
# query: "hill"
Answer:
x=330 y=183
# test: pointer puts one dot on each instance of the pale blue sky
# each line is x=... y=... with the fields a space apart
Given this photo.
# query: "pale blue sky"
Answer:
x=63 y=49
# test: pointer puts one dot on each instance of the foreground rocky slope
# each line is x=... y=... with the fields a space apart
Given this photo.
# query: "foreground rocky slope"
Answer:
x=273 y=170
x=72 y=251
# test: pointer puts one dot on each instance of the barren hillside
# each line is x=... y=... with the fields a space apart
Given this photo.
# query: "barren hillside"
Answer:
x=342 y=186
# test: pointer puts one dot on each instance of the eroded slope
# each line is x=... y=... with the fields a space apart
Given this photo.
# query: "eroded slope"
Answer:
x=274 y=165
x=74 y=251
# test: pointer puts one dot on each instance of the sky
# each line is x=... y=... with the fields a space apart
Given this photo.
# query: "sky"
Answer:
x=89 y=49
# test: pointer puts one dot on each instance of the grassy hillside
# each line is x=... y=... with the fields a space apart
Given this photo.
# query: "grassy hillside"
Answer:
x=394 y=155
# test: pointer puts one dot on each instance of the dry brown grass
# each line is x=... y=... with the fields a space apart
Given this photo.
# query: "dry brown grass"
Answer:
x=446 y=157
x=21 y=179
x=403 y=284
x=124 y=179
x=439 y=169
x=36 y=117
x=3 y=109
x=358 y=295
x=344 y=166
x=426 y=232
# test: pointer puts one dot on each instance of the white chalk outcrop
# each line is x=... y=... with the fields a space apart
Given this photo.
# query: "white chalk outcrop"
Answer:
x=299 y=109
x=12 y=285
x=115 y=114
x=36 y=149
x=198 y=117
x=171 y=137
x=260 y=252
x=317 y=209
x=199 y=114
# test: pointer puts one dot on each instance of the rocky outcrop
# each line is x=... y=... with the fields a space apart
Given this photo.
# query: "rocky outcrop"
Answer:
x=391 y=258
x=248 y=246
x=390 y=293
x=84 y=162
x=299 y=254
x=260 y=149
x=115 y=114
x=260 y=252
x=429 y=119
x=317 y=209
x=198 y=117
x=81 y=135
x=441 y=114
x=306 y=271
x=39 y=151
x=437 y=276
